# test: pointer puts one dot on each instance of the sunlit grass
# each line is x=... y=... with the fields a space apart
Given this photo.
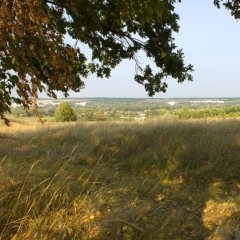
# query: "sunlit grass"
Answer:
x=155 y=180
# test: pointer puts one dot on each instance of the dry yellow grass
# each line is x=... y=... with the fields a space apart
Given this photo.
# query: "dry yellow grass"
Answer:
x=155 y=180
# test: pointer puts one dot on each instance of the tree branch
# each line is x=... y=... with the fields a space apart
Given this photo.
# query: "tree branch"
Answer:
x=107 y=27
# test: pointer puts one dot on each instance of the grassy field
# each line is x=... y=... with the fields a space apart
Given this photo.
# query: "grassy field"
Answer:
x=165 y=180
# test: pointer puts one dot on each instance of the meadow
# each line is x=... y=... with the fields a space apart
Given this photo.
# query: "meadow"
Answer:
x=160 y=180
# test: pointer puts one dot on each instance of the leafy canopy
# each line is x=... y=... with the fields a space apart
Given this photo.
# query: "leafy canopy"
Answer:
x=34 y=56
x=64 y=113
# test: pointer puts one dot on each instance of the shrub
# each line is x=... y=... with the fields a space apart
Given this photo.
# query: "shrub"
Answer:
x=64 y=113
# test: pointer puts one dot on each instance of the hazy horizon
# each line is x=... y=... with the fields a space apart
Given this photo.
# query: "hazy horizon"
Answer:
x=140 y=98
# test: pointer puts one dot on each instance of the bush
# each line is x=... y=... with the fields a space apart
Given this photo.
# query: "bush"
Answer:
x=64 y=113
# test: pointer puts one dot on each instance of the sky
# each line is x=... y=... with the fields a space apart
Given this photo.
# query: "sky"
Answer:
x=210 y=39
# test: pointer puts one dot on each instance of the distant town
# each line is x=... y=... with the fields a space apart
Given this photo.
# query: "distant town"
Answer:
x=170 y=101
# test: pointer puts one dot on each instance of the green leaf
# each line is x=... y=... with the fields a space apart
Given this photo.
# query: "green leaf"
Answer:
x=7 y=63
x=14 y=79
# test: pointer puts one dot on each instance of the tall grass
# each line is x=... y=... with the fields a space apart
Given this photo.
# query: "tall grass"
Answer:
x=155 y=180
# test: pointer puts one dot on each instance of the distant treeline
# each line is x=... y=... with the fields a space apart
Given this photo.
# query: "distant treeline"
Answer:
x=132 y=112
x=185 y=112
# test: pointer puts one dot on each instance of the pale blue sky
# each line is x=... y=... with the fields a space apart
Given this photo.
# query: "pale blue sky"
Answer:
x=210 y=39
